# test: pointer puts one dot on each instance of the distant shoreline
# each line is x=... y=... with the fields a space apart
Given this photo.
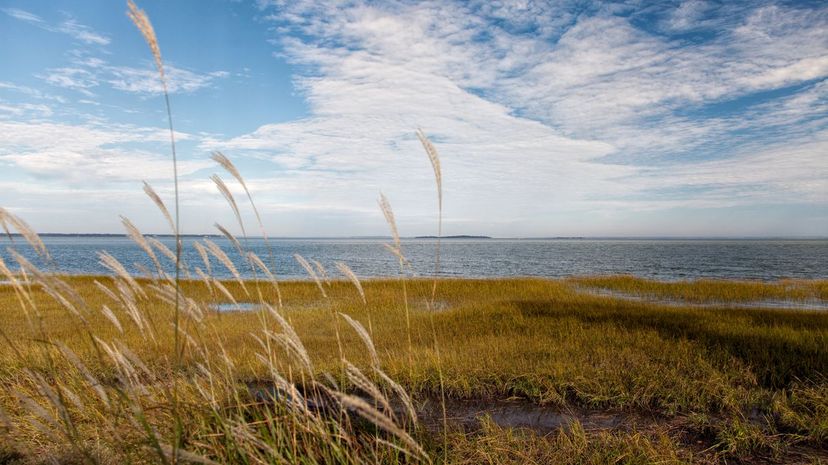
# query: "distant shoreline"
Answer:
x=462 y=236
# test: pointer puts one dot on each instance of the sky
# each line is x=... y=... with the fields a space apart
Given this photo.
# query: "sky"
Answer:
x=559 y=118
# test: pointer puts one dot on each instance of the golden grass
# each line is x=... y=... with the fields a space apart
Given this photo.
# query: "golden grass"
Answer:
x=537 y=339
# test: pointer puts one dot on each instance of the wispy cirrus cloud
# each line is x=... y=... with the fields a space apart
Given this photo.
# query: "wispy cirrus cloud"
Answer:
x=68 y=26
x=86 y=74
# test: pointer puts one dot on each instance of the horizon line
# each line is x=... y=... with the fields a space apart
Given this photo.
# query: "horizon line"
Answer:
x=457 y=237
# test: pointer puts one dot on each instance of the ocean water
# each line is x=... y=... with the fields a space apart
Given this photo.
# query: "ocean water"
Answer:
x=656 y=259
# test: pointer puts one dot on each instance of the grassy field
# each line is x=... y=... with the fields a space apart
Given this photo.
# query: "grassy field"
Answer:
x=632 y=382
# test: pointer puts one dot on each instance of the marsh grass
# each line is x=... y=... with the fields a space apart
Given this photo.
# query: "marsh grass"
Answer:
x=752 y=382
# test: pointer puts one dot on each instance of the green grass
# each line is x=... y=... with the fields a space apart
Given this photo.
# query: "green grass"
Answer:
x=746 y=384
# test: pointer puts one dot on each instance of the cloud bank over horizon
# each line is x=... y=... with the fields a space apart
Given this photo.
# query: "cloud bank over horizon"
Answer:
x=552 y=118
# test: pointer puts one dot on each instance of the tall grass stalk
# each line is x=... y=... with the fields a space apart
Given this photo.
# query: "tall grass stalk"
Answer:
x=434 y=158
x=142 y=22
x=396 y=249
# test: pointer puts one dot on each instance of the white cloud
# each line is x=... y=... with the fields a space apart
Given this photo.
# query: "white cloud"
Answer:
x=593 y=85
x=24 y=110
x=688 y=15
x=88 y=73
x=29 y=91
x=100 y=155
x=23 y=15
x=69 y=26
x=82 y=33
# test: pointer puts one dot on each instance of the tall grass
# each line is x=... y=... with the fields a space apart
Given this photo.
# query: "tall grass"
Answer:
x=294 y=416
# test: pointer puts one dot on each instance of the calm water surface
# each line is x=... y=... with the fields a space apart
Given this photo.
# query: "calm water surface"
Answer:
x=658 y=259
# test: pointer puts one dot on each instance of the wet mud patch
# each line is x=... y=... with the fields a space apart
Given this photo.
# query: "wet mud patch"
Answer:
x=521 y=413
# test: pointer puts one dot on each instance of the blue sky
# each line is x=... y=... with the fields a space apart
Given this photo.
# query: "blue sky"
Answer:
x=562 y=118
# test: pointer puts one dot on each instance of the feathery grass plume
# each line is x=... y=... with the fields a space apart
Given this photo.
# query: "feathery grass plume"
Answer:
x=294 y=347
x=73 y=397
x=322 y=272
x=230 y=237
x=222 y=187
x=228 y=165
x=218 y=285
x=434 y=157
x=139 y=239
x=382 y=421
x=156 y=199
x=205 y=279
x=24 y=230
x=225 y=260
x=127 y=301
x=295 y=400
x=307 y=266
x=161 y=247
x=102 y=287
x=256 y=261
x=112 y=264
x=5 y=226
x=57 y=289
x=401 y=394
x=203 y=253
x=290 y=333
x=47 y=392
x=166 y=293
x=34 y=408
x=142 y=22
x=366 y=339
x=348 y=273
x=385 y=206
x=134 y=359
x=359 y=380
x=110 y=315
x=23 y=297
x=438 y=178
x=225 y=163
x=261 y=265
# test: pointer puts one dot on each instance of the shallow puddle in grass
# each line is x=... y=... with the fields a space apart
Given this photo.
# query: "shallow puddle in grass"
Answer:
x=238 y=307
x=812 y=304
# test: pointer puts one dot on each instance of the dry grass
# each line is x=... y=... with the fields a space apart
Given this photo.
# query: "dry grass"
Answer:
x=537 y=339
